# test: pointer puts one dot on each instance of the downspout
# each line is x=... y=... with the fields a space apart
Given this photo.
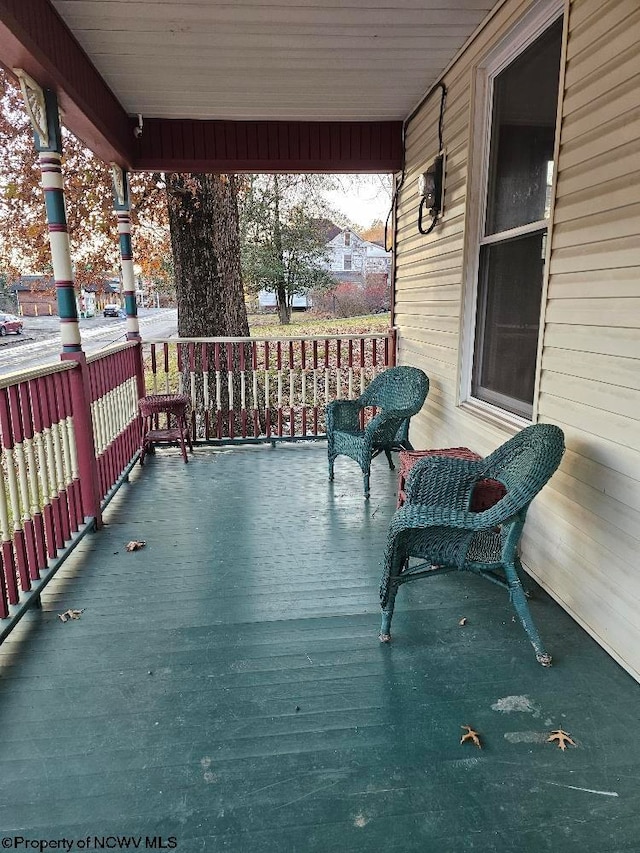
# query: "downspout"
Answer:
x=397 y=186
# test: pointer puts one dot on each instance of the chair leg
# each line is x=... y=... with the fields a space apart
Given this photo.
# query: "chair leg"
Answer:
x=519 y=601
x=366 y=485
x=387 y=453
x=332 y=459
x=385 y=624
x=143 y=443
x=388 y=591
x=187 y=429
x=183 y=445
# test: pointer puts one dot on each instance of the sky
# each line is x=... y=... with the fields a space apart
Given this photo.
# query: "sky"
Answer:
x=363 y=198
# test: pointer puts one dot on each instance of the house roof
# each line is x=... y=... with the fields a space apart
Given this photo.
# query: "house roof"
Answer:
x=287 y=84
x=328 y=229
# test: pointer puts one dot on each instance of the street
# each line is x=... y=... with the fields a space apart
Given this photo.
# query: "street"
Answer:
x=40 y=340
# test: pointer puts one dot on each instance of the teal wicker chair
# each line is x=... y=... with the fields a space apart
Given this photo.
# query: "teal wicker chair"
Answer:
x=398 y=393
x=437 y=526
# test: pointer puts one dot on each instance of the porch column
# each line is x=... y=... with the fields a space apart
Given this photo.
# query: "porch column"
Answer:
x=122 y=206
x=42 y=107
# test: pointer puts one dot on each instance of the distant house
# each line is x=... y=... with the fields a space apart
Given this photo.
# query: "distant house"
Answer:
x=267 y=301
x=352 y=259
x=36 y=296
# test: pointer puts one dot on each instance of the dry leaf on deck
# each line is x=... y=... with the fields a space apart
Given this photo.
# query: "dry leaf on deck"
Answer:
x=561 y=738
x=463 y=621
x=70 y=614
x=135 y=544
x=471 y=735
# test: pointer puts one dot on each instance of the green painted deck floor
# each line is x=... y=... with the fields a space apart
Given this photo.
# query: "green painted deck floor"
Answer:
x=225 y=685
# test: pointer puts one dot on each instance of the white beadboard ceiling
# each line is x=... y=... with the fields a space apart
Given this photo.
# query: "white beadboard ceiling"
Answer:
x=361 y=60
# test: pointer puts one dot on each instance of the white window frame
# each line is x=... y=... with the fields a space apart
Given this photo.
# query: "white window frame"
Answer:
x=533 y=24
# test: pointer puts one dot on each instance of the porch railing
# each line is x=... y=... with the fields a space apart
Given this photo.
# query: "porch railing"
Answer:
x=264 y=389
x=69 y=432
x=114 y=411
x=54 y=474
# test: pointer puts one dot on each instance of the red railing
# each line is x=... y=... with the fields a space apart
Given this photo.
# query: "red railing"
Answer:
x=40 y=494
x=264 y=388
x=68 y=434
x=114 y=411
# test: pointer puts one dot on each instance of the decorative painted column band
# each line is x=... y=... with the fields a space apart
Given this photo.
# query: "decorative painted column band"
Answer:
x=42 y=107
x=60 y=252
x=122 y=206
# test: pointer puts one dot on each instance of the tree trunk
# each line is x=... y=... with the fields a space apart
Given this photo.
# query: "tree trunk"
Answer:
x=205 y=239
x=284 y=311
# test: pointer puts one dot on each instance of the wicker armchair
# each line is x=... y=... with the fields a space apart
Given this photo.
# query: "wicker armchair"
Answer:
x=437 y=525
x=398 y=393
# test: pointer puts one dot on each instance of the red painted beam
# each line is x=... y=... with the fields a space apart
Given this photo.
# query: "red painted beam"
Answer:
x=182 y=145
x=35 y=38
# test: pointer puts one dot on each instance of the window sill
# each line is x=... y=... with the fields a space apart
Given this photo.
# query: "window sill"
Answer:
x=499 y=418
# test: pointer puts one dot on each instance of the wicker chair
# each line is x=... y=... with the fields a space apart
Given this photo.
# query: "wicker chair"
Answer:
x=437 y=525
x=398 y=393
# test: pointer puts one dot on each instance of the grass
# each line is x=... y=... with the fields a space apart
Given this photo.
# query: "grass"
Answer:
x=303 y=323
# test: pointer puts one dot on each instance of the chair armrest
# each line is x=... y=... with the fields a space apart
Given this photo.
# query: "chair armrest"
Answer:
x=343 y=415
x=441 y=487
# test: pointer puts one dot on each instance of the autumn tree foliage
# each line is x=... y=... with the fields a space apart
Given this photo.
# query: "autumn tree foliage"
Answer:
x=374 y=233
x=93 y=234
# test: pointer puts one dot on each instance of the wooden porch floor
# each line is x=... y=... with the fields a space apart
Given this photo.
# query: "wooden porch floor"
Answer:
x=225 y=684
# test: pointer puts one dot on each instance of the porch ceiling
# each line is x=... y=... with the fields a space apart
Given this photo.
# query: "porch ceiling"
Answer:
x=256 y=60
x=306 y=60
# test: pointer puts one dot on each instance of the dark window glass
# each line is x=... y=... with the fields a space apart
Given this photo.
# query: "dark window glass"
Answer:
x=525 y=99
x=508 y=318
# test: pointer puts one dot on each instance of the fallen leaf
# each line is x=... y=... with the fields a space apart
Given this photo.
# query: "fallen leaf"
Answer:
x=562 y=738
x=70 y=614
x=463 y=621
x=135 y=544
x=471 y=735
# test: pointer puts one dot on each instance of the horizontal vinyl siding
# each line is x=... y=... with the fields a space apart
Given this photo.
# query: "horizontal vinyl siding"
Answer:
x=589 y=381
x=581 y=540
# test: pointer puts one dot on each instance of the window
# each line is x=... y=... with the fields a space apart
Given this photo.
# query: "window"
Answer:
x=347 y=262
x=347 y=238
x=522 y=99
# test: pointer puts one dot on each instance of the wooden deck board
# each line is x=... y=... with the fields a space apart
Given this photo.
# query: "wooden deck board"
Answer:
x=225 y=684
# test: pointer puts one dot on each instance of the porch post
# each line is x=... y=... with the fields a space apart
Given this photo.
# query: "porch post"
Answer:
x=42 y=108
x=122 y=206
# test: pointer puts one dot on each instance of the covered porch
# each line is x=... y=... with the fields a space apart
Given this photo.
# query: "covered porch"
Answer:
x=224 y=686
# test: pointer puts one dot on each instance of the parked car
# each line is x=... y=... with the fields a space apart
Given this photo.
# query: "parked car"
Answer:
x=111 y=310
x=10 y=323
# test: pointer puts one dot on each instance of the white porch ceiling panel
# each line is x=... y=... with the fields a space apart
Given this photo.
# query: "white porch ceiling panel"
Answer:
x=364 y=60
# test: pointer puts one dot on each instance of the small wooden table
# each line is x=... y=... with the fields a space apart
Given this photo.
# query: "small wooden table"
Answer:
x=486 y=492
x=169 y=405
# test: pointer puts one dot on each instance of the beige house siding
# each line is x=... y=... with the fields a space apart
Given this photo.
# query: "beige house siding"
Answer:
x=582 y=537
